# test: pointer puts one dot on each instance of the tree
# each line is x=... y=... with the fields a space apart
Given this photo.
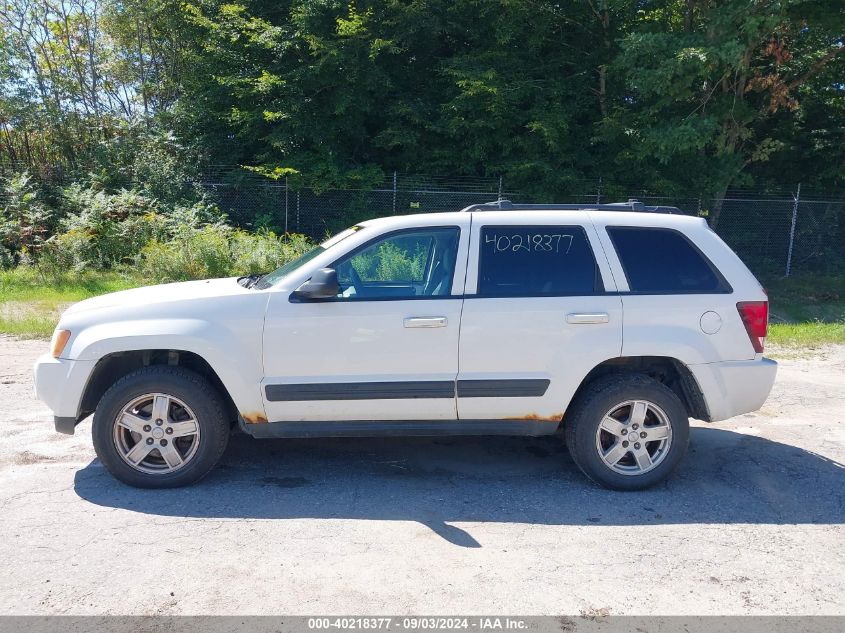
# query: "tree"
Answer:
x=667 y=95
x=704 y=78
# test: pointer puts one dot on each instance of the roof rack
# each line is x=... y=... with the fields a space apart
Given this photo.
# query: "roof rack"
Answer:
x=630 y=205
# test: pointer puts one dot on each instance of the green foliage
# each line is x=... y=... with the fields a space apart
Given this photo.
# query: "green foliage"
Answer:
x=30 y=302
x=708 y=80
x=265 y=251
x=217 y=251
x=812 y=334
x=395 y=263
x=667 y=95
x=152 y=161
x=390 y=262
x=82 y=229
x=30 y=305
x=203 y=253
x=806 y=311
x=101 y=230
x=24 y=283
x=807 y=298
x=26 y=220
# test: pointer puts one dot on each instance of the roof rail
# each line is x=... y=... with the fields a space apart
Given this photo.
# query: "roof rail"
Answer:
x=630 y=205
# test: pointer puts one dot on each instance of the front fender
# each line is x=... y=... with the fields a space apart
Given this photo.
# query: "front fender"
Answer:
x=234 y=356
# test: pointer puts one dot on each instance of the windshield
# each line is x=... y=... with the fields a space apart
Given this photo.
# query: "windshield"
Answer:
x=286 y=269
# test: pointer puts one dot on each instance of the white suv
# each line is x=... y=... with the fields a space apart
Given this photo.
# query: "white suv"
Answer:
x=612 y=324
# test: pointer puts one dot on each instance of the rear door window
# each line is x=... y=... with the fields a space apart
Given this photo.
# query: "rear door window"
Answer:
x=664 y=261
x=536 y=261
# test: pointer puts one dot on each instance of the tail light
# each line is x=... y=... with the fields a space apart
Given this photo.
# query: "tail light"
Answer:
x=755 y=317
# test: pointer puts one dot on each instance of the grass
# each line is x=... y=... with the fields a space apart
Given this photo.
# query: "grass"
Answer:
x=806 y=311
x=807 y=299
x=30 y=305
x=25 y=324
x=812 y=334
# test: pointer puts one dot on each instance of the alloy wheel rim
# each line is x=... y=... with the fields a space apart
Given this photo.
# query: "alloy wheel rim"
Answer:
x=634 y=437
x=156 y=434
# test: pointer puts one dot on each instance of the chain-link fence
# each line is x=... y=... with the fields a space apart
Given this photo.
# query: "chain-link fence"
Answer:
x=780 y=233
x=776 y=234
x=316 y=213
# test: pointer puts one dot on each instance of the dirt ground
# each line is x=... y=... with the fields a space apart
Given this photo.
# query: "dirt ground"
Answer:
x=752 y=523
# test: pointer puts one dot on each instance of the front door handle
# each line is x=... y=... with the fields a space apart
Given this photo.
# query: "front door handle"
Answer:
x=425 y=322
x=587 y=317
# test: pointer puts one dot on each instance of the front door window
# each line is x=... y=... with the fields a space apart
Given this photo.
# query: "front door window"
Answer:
x=404 y=265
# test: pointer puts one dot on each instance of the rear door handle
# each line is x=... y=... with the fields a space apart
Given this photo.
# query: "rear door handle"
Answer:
x=587 y=317
x=425 y=322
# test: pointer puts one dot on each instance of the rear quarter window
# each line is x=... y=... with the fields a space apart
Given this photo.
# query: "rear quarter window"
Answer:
x=664 y=261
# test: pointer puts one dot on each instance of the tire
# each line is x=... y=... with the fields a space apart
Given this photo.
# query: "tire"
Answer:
x=601 y=423
x=180 y=450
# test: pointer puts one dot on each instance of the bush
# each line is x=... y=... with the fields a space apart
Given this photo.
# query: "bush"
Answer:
x=150 y=158
x=116 y=226
x=102 y=231
x=89 y=224
x=218 y=251
x=184 y=220
x=390 y=261
x=264 y=251
x=85 y=228
x=397 y=263
x=26 y=222
x=64 y=253
x=7 y=258
x=202 y=254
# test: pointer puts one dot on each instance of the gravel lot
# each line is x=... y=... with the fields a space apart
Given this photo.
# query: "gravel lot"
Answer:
x=752 y=523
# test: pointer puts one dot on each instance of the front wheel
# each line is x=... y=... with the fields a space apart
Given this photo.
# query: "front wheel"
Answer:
x=627 y=432
x=160 y=427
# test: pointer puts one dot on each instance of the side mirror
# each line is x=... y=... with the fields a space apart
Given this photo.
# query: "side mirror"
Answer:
x=322 y=285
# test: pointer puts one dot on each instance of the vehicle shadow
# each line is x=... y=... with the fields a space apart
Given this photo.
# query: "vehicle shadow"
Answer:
x=726 y=477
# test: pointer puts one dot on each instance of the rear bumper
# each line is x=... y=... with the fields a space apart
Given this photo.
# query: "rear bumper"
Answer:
x=60 y=383
x=735 y=387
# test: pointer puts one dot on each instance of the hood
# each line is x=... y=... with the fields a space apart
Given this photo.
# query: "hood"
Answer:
x=162 y=294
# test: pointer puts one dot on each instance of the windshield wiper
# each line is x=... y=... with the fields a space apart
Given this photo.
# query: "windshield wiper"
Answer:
x=249 y=281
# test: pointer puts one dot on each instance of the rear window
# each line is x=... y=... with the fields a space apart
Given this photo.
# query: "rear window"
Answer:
x=536 y=261
x=664 y=261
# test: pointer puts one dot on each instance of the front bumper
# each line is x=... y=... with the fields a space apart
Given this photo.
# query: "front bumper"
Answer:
x=732 y=388
x=60 y=383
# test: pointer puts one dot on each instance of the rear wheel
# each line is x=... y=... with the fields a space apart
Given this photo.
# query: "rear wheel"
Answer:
x=160 y=427
x=627 y=432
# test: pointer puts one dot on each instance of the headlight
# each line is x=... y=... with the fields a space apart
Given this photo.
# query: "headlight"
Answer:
x=58 y=342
